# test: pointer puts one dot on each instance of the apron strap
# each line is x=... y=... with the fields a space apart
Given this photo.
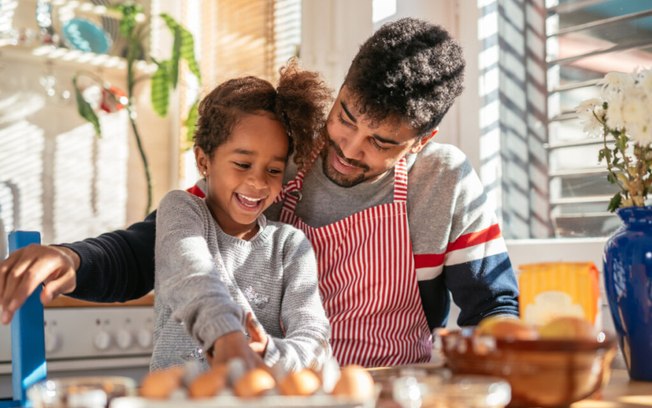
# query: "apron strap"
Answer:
x=400 y=181
x=291 y=192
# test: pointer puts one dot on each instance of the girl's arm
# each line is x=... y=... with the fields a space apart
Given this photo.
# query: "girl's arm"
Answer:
x=187 y=278
x=307 y=331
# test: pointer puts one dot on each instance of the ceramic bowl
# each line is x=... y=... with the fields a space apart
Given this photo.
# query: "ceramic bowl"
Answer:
x=544 y=373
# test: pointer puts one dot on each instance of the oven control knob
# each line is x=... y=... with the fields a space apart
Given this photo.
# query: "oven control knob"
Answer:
x=52 y=341
x=124 y=339
x=102 y=340
x=144 y=338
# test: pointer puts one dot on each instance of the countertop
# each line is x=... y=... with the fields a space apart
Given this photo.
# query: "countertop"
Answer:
x=620 y=392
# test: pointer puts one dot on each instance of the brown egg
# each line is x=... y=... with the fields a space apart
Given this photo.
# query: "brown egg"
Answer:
x=254 y=383
x=354 y=382
x=508 y=329
x=568 y=328
x=302 y=383
x=209 y=383
x=160 y=384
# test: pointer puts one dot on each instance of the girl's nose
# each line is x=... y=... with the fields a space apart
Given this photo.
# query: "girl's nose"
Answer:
x=258 y=180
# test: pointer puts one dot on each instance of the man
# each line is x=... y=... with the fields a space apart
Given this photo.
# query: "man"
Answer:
x=397 y=220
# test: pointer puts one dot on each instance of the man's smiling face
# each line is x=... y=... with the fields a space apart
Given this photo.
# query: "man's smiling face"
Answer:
x=359 y=150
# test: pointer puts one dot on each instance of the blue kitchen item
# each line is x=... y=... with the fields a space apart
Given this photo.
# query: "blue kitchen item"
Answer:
x=628 y=284
x=83 y=35
x=27 y=335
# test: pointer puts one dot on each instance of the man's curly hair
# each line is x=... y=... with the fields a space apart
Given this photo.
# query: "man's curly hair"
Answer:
x=409 y=70
x=299 y=102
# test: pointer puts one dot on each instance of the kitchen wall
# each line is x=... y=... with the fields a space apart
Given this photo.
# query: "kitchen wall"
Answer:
x=56 y=176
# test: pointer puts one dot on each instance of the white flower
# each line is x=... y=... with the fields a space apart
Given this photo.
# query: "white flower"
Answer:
x=614 y=112
x=588 y=112
x=617 y=82
x=645 y=82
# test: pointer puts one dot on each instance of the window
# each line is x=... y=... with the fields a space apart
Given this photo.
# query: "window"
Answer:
x=585 y=40
x=236 y=38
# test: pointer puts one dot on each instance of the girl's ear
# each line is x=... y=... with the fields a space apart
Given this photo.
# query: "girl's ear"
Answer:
x=420 y=144
x=202 y=161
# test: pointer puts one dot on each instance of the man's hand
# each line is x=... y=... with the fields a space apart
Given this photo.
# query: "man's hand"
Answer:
x=257 y=335
x=26 y=268
x=235 y=345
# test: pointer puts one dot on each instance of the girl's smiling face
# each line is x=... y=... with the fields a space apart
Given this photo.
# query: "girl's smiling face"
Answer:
x=245 y=174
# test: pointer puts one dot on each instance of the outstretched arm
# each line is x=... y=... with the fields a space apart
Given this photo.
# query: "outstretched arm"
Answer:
x=116 y=266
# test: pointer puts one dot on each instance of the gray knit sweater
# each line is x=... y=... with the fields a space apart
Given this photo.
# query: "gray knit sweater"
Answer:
x=206 y=281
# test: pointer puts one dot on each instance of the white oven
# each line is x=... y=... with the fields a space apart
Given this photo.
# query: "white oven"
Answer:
x=90 y=339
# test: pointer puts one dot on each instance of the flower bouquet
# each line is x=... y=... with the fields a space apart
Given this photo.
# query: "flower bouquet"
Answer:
x=622 y=116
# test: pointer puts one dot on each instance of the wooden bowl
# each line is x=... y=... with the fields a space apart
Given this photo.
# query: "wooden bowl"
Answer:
x=545 y=373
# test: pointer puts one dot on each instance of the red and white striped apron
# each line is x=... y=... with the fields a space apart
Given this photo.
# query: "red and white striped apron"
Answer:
x=368 y=281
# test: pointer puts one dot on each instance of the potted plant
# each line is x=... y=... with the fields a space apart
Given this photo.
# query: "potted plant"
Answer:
x=134 y=29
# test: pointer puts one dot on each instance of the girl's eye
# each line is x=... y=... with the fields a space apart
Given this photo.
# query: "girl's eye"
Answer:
x=242 y=165
x=377 y=145
x=275 y=171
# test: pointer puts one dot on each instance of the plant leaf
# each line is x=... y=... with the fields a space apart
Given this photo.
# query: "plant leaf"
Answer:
x=614 y=203
x=174 y=61
x=85 y=109
x=187 y=44
x=191 y=121
x=160 y=89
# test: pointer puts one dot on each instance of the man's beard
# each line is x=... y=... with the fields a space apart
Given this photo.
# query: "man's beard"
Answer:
x=336 y=177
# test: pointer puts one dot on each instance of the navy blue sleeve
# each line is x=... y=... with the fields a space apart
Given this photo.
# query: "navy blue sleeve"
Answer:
x=482 y=288
x=117 y=266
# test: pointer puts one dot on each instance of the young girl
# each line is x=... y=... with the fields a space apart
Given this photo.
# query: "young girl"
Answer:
x=218 y=259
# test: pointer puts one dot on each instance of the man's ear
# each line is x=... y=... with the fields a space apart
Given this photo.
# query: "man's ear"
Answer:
x=202 y=160
x=421 y=143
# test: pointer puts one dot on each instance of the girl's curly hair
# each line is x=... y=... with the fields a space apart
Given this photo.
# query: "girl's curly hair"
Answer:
x=409 y=70
x=299 y=102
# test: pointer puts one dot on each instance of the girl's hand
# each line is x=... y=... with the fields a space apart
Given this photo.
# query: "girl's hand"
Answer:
x=235 y=345
x=257 y=336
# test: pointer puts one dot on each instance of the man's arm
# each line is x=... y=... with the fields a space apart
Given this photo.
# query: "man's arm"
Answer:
x=116 y=266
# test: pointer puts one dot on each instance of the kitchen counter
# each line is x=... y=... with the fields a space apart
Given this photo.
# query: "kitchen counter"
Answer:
x=620 y=392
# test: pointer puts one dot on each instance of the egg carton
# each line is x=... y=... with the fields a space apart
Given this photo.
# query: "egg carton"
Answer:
x=228 y=401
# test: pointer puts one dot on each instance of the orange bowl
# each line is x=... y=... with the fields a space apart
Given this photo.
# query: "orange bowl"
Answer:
x=545 y=373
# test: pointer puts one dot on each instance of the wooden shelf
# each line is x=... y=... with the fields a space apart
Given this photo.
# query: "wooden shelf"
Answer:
x=68 y=58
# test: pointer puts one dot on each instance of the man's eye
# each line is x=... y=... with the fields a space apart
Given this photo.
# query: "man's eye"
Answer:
x=344 y=121
x=377 y=145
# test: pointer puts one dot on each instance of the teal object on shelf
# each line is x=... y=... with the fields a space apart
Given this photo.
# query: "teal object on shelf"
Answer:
x=27 y=335
x=83 y=35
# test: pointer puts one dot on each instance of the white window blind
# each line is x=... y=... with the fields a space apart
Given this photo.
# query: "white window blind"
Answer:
x=248 y=37
x=585 y=40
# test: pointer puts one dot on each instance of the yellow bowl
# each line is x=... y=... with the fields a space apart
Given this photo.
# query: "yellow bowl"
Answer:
x=545 y=373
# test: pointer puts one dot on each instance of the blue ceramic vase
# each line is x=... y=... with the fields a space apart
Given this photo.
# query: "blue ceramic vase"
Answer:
x=628 y=283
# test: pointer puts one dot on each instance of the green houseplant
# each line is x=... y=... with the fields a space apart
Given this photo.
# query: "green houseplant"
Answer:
x=165 y=78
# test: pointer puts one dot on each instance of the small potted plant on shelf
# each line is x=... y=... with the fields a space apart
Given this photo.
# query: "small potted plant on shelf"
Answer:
x=133 y=27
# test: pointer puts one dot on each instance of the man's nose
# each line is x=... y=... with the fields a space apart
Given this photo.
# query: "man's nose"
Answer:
x=351 y=147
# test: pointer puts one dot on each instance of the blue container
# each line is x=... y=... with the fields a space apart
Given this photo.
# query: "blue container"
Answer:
x=628 y=283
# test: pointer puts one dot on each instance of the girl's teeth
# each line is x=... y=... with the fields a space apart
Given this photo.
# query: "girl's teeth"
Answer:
x=248 y=200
